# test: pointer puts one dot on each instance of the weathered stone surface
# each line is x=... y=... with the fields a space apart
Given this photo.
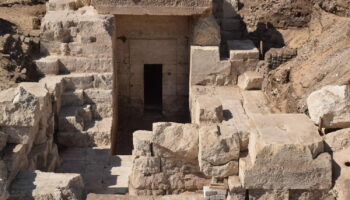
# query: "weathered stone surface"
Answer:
x=338 y=140
x=222 y=171
x=218 y=144
x=214 y=193
x=250 y=80
x=142 y=143
x=143 y=7
x=3 y=140
x=277 y=135
x=219 y=148
x=40 y=185
x=268 y=194
x=292 y=152
x=311 y=195
x=243 y=49
x=147 y=165
x=331 y=104
x=80 y=39
x=341 y=171
x=236 y=191
x=101 y=101
x=206 y=67
x=180 y=139
x=206 y=32
x=48 y=65
x=208 y=110
x=20 y=114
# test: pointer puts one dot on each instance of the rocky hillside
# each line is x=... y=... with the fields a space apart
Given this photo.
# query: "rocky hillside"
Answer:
x=312 y=40
x=19 y=40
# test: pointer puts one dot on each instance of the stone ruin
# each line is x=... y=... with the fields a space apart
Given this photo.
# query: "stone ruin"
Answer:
x=107 y=61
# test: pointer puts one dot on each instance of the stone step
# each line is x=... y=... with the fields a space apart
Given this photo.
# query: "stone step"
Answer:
x=48 y=65
x=73 y=139
x=70 y=123
x=73 y=98
x=101 y=172
x=42 y=185
x=97 y=133
x=83 y=112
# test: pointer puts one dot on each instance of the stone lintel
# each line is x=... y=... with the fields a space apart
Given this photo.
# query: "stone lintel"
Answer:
x=152 y=7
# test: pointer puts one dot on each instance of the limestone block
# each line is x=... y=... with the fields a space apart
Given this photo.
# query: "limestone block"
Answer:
x=86 y=64
x=99 y=132
x=177 y=165
x=208 y=110
x=250 y=80
x=180 y=139
x=213 y=193
x=338 y=140
x=236 y=115
x=48 y=65
x=3 y=140
x=70 y=123
x=205 y=62
x=20 y=113
x=56 y=5
x=218 y=144
x=78 y=81
x=277 y=133
x=42 y=185
x=14 y=159
x=72 y=98
x=342 y=171
x=243 y=49
x=268 y=194
x=311 y=195
x=331 y=104
x=138 y=180
x=103 y=81
x=147 y=165
x=142 y=143
x=292 y=152
x=143 y=7
x=73 y=139
x=222 y=171
x=206 y=32
x=236 y=191
x=101 y=100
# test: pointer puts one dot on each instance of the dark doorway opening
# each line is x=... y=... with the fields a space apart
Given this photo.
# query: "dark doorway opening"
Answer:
x=153 y=81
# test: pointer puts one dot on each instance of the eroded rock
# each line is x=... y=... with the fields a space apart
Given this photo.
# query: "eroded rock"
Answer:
x=331 y=105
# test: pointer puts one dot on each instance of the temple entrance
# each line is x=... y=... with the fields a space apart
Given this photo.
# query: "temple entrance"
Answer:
x=152 y=55
x=153 y=87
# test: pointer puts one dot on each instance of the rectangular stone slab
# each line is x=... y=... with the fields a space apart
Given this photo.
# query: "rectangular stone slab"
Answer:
x=152 y=7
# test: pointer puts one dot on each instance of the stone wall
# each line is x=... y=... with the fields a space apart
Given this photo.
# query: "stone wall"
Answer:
x=236 y=141
x=27 y=128
x=153 y=40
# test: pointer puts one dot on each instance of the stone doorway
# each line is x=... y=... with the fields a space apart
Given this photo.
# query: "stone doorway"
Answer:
x=153 y=91
x=152 y=54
